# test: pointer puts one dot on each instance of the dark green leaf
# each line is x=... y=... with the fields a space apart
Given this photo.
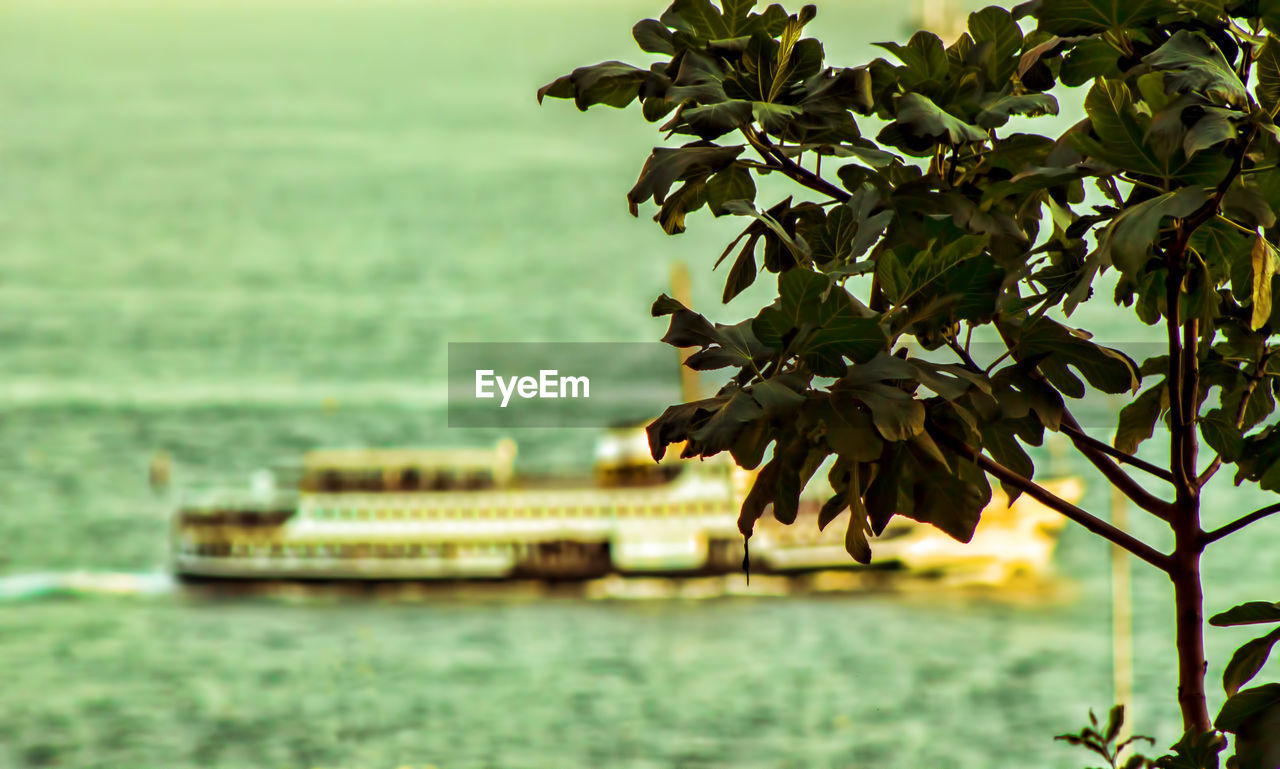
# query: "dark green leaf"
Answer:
x=1247 y=661
x=1138 y=419
x=743 y=272
x=1131 y=235
x=1111 y=371
x=1089 y=59
x=1250 y=613
x=1084 y=17
x=711 y=121
x=920 y=125
x=1222 y=435
x=1193 y=63
x=997 y=112
x=612 y=83
x=1212 y=129
x=667 y=166
x=653 y=36
x=924 y=57
x=848 y=430
x=732 y=183
x=994 y=26
x=776 y=396
x=1245 y=705
x=1268 y=71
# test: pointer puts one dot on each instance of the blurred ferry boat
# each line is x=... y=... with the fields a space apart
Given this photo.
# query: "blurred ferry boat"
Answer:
x=419 y=514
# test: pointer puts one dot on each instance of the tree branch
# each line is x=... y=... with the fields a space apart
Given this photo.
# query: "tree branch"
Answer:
x=1078 y=437
x=1049 y=499
x=1116 y=475
x=1190 y=396
x=1245 y=395
x=793 y=170
x=1237 y=525
x=1177 y=417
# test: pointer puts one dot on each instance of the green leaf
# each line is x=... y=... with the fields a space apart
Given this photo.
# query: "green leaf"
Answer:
x=1222 y=435
x=1244 y=705
x=719 y=431
x=734 y=345
x=920 y=125
x=653 y=37
x=732 y=183
x=1110 y=371
x=761 y=495
x=1089 y=59
x=1263 y=259
x=996 y=113
x=1121 y=136
x=798 y=248
x=743 y=272
x=1083 y=17
x=855 y=536
x=803 y=292
x=667 y=166
x=1247 y=205
x=1193 y=63
x=749 y=447
x=612 y=83
x=896 y=414
x=845 y=335
x=1247 y=661
x=995 y=27
x=1267 y=69
x=833 y=240
x=1249 y=613
x=1138 y=419
x=700 y=80
x=1131 y=235
x=952 y=503
x=711 y=121
x=924 y=57
x=704 y=18
x=1000 y=441
x=847 y=429
x=1269 y=11
x=888 y=494
x=1214 y=128
x=690 y=197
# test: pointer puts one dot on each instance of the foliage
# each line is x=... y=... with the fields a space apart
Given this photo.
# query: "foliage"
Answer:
x=1193 y=751
x=1106 y=742
x=923 y=208
x=1253 y=714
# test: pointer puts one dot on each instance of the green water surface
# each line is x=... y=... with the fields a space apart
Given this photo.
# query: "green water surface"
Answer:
x=234 y=231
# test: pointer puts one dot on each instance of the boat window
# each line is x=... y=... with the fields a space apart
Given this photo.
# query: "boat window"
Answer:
x=331 y=480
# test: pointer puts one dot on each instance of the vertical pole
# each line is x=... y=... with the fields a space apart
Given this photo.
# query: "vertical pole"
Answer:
x=1122 y=614
x=690 y=387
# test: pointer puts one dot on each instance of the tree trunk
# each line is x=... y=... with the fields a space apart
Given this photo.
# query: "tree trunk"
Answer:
x=1189 y=606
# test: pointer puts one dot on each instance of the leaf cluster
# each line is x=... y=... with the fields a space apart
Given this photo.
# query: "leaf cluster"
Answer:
x=924 y=208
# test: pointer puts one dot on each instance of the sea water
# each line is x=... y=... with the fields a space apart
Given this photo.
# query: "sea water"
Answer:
x=232 y=232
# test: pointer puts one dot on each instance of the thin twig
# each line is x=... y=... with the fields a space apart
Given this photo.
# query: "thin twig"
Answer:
x=1237 y=525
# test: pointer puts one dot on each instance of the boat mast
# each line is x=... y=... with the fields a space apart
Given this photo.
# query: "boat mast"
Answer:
x=690 y=387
